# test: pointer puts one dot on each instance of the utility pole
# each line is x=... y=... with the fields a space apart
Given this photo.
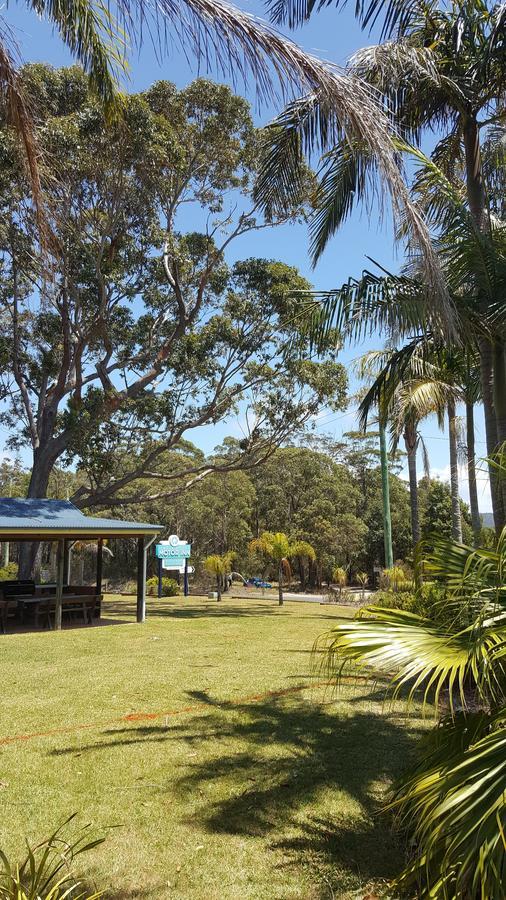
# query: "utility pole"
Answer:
x=387 y=519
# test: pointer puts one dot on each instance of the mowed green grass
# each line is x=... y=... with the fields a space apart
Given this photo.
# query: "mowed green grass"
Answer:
x=228 y=792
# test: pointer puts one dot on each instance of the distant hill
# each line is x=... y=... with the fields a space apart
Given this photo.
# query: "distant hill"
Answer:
x=488 y=520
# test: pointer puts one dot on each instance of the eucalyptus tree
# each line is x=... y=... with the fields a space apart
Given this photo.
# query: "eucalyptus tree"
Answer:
x=143 y=333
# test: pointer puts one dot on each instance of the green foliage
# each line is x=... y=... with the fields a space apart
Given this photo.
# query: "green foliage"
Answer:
x=170 y=587
x=8 y=572
x=430 y=601
x=46 y=871
x=436 y=508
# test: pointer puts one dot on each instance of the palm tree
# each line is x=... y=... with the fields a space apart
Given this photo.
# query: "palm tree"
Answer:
x=441 y=70
x=362 y=579
x=412 y=383
x=402 y=415
x=219 y=566
x=340 y=577
x=278 y=547
x=471 y=389
x=453 y=799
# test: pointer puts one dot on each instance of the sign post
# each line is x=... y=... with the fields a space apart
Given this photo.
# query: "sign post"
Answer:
x=173 y=555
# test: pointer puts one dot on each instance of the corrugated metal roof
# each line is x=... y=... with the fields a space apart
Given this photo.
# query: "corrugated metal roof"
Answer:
x=60 y=515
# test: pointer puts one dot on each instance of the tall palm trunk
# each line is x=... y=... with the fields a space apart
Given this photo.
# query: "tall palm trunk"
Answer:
x=486 y=371
x=454 y=472
x=385 y=487
x=499 y=374
x=471 y=473
x=476 y=199
x=410 y=442
x=280 y=582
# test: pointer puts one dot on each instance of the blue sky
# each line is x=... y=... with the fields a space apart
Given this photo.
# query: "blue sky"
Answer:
x=331 y=36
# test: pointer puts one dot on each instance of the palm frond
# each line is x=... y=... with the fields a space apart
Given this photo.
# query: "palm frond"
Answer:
x=92 y=35
x=473 y=575
x=397 y=13
x=346 y=110
x=454 y=804
x=18 y=116
x=347 y=174
x=373 y=303
x=417 y=654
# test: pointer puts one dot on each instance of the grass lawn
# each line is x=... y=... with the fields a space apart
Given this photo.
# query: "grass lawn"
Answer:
x=226 y=792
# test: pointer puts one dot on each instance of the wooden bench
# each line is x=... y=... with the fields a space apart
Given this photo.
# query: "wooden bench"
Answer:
x=42 y=609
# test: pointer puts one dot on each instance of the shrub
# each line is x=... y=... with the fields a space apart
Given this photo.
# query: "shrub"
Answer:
x=8 y=572
x=430 y=601
x=170 y=587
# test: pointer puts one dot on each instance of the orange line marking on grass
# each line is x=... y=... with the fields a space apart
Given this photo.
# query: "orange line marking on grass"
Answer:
x=150 y=716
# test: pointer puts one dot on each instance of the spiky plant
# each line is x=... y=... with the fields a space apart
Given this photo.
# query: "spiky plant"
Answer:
x=340 y=577
x=46 y=872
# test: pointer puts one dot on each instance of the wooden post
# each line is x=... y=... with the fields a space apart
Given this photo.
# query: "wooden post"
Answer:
x=66 y=562
x=60 y=565
x=100 y=557
x=141 y=580
x=160 y=576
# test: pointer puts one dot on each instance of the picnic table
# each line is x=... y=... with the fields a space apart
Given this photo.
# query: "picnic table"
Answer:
x=38 y=606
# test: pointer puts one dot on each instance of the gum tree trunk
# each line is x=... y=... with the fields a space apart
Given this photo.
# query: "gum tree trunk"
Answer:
x=280 y=583
x=37 y=490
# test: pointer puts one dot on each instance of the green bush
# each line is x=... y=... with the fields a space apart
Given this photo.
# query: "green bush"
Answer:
x=430 y=601
x=170 y=587
x=8 y=572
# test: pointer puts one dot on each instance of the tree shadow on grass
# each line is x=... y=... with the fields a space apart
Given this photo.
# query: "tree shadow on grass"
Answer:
x=157 y=609
x=308 y=778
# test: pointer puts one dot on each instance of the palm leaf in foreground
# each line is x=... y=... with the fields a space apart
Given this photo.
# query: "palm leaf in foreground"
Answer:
x=453 y=800
x=455 y=807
